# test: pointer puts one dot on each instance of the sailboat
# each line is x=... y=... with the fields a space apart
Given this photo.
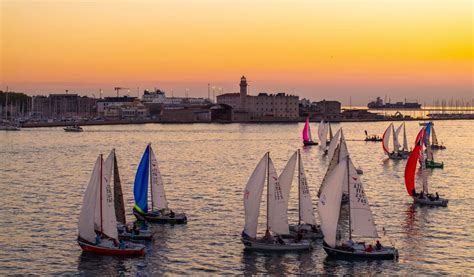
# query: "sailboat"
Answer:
x=360 y=219
x=277 y=217
x=403 y=150
x=395 y=154
x=337 y=152
x=434 y=140
x=429 y=161
x=323 y=130
x=97 y=221
x=159 y=212
x=424 y=197
x=138 y=230
x=306 y=226
x=307 y=140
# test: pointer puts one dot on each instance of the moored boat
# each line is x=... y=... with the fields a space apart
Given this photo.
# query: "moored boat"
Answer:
x=159 y=212
x=74 y=128
x=277 y=218
x=97 y=221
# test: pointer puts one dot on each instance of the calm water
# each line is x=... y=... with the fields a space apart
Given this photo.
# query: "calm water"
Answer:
x=43 y=173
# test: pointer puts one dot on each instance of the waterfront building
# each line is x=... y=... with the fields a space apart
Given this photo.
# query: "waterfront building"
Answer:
x=133 y=109
x=159 y=97
x=102 y=104
x=279 y=105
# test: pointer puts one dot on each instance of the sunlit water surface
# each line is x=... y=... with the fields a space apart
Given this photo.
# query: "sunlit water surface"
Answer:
x=43 y=174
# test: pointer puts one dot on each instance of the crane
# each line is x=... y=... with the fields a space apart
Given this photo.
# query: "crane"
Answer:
x=117 y=89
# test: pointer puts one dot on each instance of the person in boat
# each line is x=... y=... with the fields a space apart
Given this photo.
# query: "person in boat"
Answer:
x=135 y=228
x=280 y=240
x=299 y=236
x=97 y=239
x=122 y=244
x=421 y=195
x=378 y=246
x=268 y=237
x=349 y=245
x=369 y=248
x=437 y=196
x=172 y=214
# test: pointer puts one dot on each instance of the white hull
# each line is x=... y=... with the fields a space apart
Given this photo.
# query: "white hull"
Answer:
x=308 y=231
x=441 y=202
x=288 y=245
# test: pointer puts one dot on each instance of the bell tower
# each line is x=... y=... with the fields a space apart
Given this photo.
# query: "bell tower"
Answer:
x=243 y=92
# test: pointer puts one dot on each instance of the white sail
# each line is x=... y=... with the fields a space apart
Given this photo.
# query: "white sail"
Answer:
x=362 y=221
x=329 y=203
x=386 y=138
x=396 y=142
x=321 y=136
x=253 y=197
x=344 y=152
x=156 y=182
x=305 y=202
x=277 y=208
x=86 y=218
x=286 y=177
x=330 y=132
x=429 y=151
x=324 y=136
x=433 y=136
x=340 y=153
x=333 y=144
x=405 y=141
x=109 y=220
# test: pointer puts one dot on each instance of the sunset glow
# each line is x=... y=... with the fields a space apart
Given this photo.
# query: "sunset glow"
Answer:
x=316 y=48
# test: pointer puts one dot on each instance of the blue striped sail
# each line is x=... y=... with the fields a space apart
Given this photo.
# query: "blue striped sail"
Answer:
x=140 y=187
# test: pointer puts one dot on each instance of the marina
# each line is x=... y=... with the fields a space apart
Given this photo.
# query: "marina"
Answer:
x=205 y=168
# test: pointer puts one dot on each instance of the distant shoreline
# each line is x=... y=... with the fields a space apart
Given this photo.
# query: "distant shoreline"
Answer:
x=156 y=121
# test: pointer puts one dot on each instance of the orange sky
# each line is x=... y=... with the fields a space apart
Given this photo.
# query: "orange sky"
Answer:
x=318 y=49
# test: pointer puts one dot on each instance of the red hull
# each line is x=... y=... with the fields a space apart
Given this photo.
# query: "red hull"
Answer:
x=111 y=251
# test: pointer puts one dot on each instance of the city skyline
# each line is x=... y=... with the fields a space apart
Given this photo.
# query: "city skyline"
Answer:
x=319 y=50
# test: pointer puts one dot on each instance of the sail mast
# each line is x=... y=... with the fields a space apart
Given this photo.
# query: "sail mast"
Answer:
x=100 y=186
x=268 y=184
x=349 y=192
x=299 y=189
x=150 y=175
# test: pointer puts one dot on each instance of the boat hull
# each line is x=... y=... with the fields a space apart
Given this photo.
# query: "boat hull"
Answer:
x=111 y=251
x=433 y=164
x=308 y=231
x=178 y=218
x=438 y=147
x=373 y=139
x=387 y=253
x=309 y=143
x=289 y=245
x=441 y=202
x=73 y=130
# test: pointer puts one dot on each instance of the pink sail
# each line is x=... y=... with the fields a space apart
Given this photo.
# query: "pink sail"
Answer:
x=306 y=135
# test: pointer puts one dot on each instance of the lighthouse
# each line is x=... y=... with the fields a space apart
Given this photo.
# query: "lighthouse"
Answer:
x=243 y=92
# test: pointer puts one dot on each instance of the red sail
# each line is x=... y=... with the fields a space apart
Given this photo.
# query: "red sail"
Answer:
x=410 y=169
